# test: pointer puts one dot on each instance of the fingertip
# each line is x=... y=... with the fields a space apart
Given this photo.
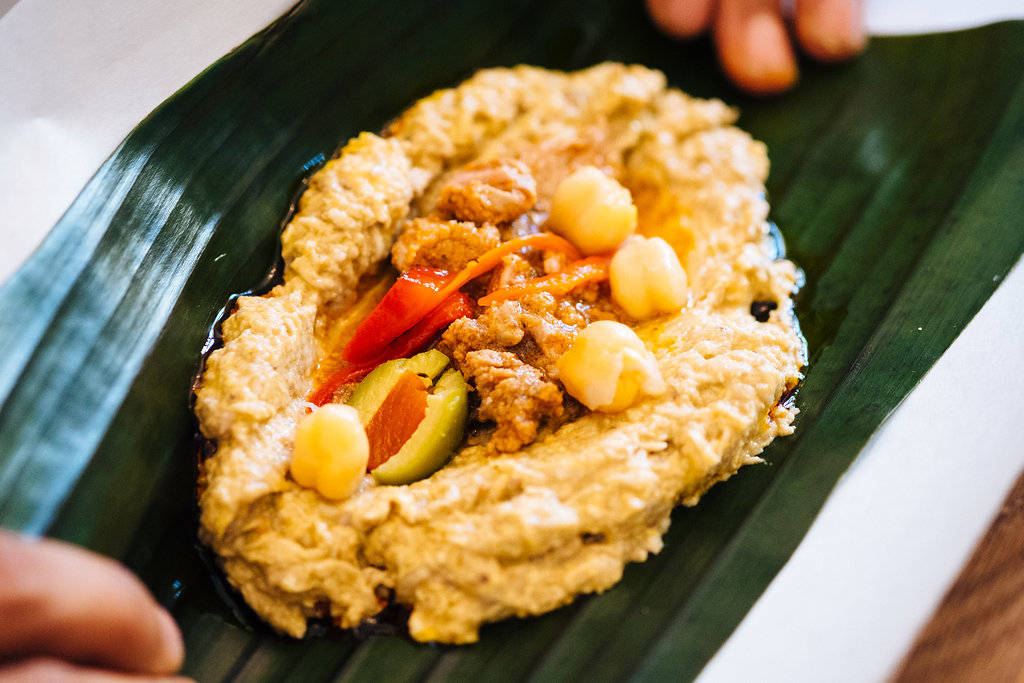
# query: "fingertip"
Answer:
x=53 y=669
x=132 y=631
x=64 y=602
x=754 y=48
x=681 y=18
x=831 y=30
x=171 y=649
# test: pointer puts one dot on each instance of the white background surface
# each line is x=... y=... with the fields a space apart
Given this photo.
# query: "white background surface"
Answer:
x=76 y=77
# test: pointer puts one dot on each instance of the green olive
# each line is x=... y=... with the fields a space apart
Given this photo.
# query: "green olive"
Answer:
x=442 y=428
x=374 y=388
x=435 y=440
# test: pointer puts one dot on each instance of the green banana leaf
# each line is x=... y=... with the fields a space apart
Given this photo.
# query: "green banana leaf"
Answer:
x=896 y=181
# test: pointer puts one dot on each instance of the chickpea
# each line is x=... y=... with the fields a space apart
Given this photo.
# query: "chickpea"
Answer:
x=331 y=451
x=647 y=278
x=593 y=211
x=608 y=368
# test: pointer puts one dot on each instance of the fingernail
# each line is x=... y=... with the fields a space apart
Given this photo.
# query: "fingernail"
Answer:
x=771 y=59
x=832 y=31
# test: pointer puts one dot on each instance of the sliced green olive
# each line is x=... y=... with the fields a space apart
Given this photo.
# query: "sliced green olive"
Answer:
x=435 y=440
x=374 y=388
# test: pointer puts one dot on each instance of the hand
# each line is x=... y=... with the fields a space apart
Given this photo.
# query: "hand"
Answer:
x=67 y=614
x=752 y=39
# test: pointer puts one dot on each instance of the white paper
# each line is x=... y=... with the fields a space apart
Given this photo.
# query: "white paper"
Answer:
x=76 y=77
x=901 y=523
x=904 y=17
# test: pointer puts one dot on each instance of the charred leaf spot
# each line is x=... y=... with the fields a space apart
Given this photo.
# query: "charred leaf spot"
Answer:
x=762 y=309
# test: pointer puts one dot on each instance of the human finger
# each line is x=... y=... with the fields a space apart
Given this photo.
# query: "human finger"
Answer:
x=753 y=45
x=50 y=670
x=681 y=18
x=830 y=30
x=62 y=601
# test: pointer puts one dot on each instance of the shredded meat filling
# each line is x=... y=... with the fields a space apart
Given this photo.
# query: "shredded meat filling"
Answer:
x=448 y=245
x=521 y=340
x=514 y=395
x=497 y=327
x=508 y=323
x=495 y=191
x=513 y=268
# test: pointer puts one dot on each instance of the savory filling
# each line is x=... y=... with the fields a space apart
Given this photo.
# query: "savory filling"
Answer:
x=502 y=282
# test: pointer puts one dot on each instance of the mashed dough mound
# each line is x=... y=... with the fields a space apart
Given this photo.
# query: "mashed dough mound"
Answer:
x=488 y=537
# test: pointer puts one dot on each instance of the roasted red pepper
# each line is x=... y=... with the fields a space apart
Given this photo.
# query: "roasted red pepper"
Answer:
x=577 y=273
x=419 y=336
x=490 y=259
x=419 y=290
x=336 y=380
x=414 y=294
x=396 y=419
x=409 y=343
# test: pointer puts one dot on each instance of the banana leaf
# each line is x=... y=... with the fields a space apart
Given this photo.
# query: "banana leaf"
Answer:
x=896 y=178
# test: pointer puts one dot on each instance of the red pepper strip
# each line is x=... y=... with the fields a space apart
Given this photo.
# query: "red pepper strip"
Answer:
x=414 y=294
x=590 y=269
x=418 y=290
x=492 y=257
x=401 y=412
x=414 y=340
x=418 y=337
x=336 y=380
